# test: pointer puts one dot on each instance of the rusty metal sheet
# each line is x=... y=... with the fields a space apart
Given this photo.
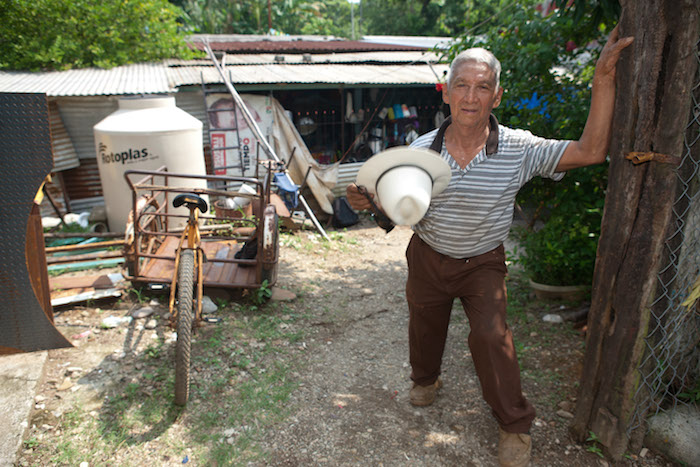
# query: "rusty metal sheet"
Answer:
x=25 y=159
x=64 y=155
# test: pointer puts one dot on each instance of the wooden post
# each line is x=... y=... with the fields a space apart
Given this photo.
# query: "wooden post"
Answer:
x=655 y=78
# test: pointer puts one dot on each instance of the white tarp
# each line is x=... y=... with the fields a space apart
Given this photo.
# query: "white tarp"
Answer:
x=285 y=140
x=282 y=135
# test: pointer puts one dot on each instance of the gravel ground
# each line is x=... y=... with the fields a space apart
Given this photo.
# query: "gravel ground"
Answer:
x=351 y=403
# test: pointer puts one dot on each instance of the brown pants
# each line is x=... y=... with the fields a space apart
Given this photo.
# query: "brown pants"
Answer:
x=434 y=281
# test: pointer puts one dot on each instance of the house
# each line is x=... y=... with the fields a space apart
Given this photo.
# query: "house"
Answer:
x=347 y=99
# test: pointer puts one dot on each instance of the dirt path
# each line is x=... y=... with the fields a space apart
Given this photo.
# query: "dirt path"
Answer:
x=350 y=373
x=353 y=407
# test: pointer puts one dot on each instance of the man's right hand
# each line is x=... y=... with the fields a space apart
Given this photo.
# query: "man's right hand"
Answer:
x=357 y=200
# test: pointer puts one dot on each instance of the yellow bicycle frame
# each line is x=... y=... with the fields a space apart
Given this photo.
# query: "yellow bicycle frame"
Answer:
x=192 y=235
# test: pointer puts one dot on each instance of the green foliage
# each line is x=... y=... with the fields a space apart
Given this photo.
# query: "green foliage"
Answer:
x=563 y=251
x=140 y=294
x=334 y=17
x=594 y=445
x=435 y=17
x=154 y=351
x=65 y=34
x=262 y=294
x=691 y=394
x=548 y=64
x=31 y=443
x=589 y=14
x=331 y=17
x=373 y=17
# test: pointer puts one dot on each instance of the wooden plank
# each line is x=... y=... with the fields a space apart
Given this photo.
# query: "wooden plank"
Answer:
x=96 y=281
x=281 y=208
x=222 y=274
x=213 y=271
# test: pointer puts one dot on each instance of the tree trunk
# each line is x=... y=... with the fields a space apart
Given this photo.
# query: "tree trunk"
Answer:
x=655 y=78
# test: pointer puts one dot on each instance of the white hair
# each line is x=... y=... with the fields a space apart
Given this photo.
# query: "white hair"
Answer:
x=478 y=55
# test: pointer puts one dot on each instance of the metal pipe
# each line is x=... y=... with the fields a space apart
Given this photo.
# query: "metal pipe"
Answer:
x=256 y=131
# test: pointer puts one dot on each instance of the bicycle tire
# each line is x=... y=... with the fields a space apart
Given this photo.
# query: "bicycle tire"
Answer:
x=185 y=316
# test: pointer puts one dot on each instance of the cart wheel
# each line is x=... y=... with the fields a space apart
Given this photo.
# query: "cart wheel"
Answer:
x=185 y=313
x=147 y=219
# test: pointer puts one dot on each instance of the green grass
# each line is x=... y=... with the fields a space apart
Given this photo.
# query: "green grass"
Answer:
x=241 y=385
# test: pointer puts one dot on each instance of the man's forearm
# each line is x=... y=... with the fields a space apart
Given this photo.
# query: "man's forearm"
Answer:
x=595 y=139
x=592 y=147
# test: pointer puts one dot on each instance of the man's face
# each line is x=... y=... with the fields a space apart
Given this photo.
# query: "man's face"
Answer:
x=472 y=94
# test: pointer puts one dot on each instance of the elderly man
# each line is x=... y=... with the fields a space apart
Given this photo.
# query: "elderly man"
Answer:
x=457 y=247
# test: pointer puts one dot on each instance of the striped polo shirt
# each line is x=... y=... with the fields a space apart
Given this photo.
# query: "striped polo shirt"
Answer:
x=474 y=213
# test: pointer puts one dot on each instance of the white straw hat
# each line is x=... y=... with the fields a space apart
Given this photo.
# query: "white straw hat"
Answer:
x=404 y=180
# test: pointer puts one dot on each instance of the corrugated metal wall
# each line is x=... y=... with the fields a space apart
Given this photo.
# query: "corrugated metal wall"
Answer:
x=191 y=101
x=346 y=175
x=64 y=155
x=79 y=115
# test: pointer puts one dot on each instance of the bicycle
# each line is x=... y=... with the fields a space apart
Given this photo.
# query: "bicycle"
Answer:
x=162 y=252
x=189 y=257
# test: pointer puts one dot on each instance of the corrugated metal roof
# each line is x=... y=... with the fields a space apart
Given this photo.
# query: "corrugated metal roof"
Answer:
x=141 y=78
x=355 y=74
x=314 y=59
x=378 y=64
x=161 y=79
x=293 y=44
x=427 y=42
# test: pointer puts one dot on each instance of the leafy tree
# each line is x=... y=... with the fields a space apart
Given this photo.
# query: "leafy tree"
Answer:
x=63 y=34
x=589 y=14
x=401 y=17
x=459 y=17
x=225 y=16
x=331 y=17
x=431 y=17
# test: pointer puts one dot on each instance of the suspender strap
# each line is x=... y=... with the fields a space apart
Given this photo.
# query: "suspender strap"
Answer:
x=437 y=142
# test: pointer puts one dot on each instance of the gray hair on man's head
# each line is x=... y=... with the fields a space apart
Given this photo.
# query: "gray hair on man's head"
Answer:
x=479 y=55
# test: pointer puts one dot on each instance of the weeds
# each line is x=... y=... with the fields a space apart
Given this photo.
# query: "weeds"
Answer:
x=139 y=294
x=220 y=303
x=31 y=443
x=691 y=394
x=595 y=445
x=154 y=351
x=262 y=294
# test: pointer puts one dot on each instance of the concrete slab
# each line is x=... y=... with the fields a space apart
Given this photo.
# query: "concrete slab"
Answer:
x=19 y=378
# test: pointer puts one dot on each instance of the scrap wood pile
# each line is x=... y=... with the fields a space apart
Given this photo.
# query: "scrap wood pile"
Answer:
x=74 y=261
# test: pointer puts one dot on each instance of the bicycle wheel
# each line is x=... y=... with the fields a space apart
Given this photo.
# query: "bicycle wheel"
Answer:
x=185 y=314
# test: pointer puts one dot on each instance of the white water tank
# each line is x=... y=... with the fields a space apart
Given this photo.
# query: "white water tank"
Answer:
x=146 y=133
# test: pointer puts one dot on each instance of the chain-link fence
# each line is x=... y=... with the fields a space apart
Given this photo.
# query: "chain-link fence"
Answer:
x=670 y=370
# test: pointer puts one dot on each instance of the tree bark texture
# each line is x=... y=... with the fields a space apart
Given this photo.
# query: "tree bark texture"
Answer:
x=654 y=81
